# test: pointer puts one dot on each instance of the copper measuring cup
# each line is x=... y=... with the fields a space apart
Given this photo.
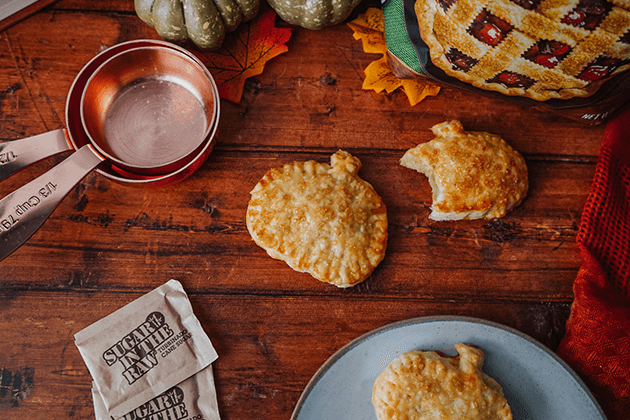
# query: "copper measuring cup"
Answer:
x=26 y=209
x=123 y=109
x=18 y=154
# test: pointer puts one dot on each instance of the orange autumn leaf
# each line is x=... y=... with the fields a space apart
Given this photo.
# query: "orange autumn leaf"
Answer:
x=244 y=54
x=370 y=29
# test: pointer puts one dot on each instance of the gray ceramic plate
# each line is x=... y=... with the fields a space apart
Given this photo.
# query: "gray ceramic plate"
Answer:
x=536 y=382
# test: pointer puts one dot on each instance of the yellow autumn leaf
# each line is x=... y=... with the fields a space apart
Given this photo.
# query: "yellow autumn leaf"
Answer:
x=417 y=90
x=369 y=28
x=379 y=77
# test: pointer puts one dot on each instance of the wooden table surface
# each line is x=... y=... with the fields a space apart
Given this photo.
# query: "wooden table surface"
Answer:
x=107 y=243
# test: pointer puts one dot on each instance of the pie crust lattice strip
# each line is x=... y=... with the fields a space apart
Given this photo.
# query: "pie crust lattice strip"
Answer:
x=541 y=49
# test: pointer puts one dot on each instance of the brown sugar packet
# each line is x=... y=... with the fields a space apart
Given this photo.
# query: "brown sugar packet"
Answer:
x=145 y=348
x=194 y=398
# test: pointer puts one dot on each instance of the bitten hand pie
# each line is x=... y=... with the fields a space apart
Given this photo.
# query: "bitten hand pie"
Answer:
x=473 y=175
x=320 y=219
x=422 y=385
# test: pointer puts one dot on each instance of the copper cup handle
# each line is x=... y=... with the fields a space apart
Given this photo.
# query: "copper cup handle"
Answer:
x=26 y=209
x=18 y=154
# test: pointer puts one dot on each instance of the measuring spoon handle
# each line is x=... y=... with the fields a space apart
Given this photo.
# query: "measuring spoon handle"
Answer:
x=24 y=210
x=18 y=154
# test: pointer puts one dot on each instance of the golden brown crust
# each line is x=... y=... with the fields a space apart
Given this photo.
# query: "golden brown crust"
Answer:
x=473 y=175
x=320 y=219
x=422 y=385
x=445 y=30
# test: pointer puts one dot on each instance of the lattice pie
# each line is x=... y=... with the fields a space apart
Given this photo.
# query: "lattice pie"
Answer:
x=320 y=219
x=473 y=175
x=541 y=49
x=422 y=385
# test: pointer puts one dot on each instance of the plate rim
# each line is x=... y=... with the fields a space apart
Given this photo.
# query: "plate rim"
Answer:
x=325 y=367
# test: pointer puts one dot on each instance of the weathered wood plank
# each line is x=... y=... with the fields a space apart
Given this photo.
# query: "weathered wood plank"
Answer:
x=287 y=106
x=108 y=243
x=101 y=5
x=106 y=234
x=268 y=346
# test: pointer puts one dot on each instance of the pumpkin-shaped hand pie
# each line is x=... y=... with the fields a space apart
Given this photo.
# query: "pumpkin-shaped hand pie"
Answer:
x=313 y=14
x=204 y=22
x=473 y=175
x=320 y=219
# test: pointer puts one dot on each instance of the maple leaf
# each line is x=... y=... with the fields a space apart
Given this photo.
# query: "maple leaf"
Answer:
x=244 y=54
x=370 y=29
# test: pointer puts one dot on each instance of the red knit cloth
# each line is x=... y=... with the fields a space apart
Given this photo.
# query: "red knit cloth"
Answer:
x=597 y=341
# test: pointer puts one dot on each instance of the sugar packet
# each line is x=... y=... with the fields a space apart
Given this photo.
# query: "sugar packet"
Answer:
x=194 y=398
x=145 y=348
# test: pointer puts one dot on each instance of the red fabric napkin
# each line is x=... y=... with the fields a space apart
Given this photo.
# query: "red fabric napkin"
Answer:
x=597 y=341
